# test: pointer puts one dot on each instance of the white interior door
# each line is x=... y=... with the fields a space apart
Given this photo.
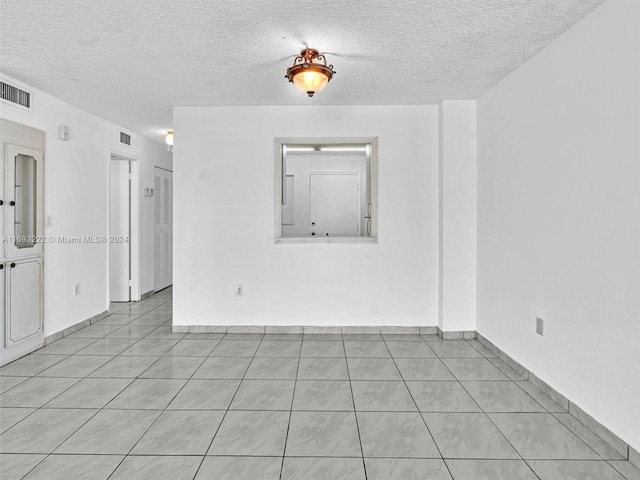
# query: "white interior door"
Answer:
x=24 y=302
x=120 y=226
x=334 y=204
x=163 y=228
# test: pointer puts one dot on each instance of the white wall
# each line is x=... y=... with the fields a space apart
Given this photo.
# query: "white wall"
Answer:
x=559 y=215
x=457 y=169
x=224 y=221
x=76 y=193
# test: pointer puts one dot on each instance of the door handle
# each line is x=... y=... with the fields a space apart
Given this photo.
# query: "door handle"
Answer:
x=1 y=202
x=12 y=203
x=13 y=265
x=1 y=266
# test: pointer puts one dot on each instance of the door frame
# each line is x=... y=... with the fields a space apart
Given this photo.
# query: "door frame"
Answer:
x=135 y=253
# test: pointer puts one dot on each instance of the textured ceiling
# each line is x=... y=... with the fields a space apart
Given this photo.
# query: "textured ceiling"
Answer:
x=130 y=61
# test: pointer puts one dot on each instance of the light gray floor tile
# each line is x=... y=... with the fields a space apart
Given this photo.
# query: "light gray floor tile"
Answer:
x=468 y=435
x=164 y=331
x=155 y=319
x=251 y=433
x=473 y=369
x=147 y=394
x=323 y=369
x=382 y=396
x=540 y=397
x=76 y=467
x=157 y=468
x=490 y=470
x=205 y=395
x=43 y=431
x=319 y=348
x=272 y=369
x=204 y=336
x=118 y=319
x=90 y=393
x=362 y=337
x=455 y=349
x=110 y=432
x=97 y=330
x=180 y=433
x=244 y=336
x=629 y=471
x=406 y=469
x=323 y=337
x=499 y=396
x=192 y=348
x=588 y=437
x=35 y=392
x=7 y=383
x=137 y=308
x=373 y=369
x=151 y=347
x=322 y=469
x=401 y=349
x=235 y=348
x=30 y=365
x=10 y=416
x=108 y=346
x=423 y=369
x=132 y=331
x=162 y=309
x=574 y=470
x=366 y=349
x=323 y=395
x=264 y=395
x=240 y=468
x=279 y=348
x=124 y=367
x=15 y=466
x=76 y=366
x=173 y=367
x=401 y=337
x=541 y=436
x=482 y=349
x=506 y=369
x=283 y=336
x=65 y=346
x=395 y=434
x=323 y=434
x=441 y=396
x=222 y=368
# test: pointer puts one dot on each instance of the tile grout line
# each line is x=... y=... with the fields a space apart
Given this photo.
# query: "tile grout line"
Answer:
x=204 y=457
x=416 y=403
x=293 y=397
x=355 y=414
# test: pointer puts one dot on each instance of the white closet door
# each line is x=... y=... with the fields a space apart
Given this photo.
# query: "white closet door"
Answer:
x=163 y=229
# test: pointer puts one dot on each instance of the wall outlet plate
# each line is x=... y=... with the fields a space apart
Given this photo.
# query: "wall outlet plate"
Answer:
x=239 y=290
x=76 y=289
x=539 y=326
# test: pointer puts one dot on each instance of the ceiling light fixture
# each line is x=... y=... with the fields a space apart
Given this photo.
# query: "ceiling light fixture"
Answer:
x=168 y=139
x=310 y=72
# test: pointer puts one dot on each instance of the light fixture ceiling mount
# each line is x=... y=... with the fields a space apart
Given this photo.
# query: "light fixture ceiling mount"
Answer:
x=310 y=72
x=168 y=139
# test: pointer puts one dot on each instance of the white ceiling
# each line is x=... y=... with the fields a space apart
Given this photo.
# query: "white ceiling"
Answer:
x=130 y=61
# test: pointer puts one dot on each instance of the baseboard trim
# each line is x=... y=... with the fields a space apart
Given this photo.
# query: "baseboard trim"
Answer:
x=602 y=432
x=150 y=293
x=311 y=330
x=75 y=327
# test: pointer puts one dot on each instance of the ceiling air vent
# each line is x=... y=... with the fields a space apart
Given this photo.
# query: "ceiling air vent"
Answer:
x=15 y=96
x=125 y=138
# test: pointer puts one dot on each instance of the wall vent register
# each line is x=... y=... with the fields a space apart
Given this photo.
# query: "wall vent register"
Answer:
x=326 y=192
x=14 y=95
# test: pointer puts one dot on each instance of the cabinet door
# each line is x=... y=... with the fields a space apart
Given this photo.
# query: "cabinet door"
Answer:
x=24 y=301
x=24 y=202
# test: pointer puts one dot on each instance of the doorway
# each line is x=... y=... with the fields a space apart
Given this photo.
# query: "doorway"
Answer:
x=163 y=228
x=123 y=229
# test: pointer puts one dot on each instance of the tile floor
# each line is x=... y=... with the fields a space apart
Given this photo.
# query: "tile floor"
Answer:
x=126 y=398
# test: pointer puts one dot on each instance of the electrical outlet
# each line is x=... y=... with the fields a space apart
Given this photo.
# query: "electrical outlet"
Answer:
x=49 y=221
x=239 y=290
x=539 y=326
x=76 y=289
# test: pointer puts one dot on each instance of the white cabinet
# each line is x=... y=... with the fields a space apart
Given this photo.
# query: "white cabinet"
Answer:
x=21 y=262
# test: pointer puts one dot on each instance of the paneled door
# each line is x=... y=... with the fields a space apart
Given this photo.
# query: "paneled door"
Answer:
x=163 y=228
